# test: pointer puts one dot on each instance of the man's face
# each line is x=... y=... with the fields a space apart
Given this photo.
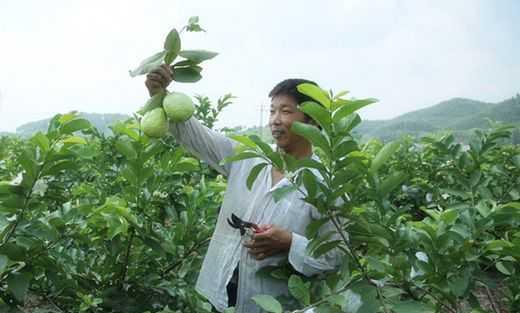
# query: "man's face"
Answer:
x=283 y=113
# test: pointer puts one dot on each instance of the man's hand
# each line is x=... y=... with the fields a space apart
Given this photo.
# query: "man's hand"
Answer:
x=158 y=79
x=268 y=241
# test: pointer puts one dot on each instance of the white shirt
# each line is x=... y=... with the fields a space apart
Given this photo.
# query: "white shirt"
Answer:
x=257 y=205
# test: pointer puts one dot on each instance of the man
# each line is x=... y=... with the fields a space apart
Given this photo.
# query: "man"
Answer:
x=228 y=274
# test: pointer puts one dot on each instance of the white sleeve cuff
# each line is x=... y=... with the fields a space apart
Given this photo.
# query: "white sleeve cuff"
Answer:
x=297 y=252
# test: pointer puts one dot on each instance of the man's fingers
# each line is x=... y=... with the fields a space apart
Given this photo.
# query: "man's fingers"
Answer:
x=166 y=72
x=156 y=77
x=254 y=244
x=266 y=235
x=257 y=253
x=263 y=255
x=153 y=84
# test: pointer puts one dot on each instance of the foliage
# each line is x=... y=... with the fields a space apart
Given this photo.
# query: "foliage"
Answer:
x=103 y=224
x=424 y=227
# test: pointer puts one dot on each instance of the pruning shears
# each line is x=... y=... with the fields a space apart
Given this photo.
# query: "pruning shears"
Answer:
x=237 y=223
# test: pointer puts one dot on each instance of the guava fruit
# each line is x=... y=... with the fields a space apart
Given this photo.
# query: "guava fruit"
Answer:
x=154 y=102
x=154 y=123
x=178 y=106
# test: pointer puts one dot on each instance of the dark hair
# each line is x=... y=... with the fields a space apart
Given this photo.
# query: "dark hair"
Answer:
x=288 y=88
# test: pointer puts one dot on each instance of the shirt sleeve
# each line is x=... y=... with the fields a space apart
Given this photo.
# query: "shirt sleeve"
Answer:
x=204 y=143
x=307 y=265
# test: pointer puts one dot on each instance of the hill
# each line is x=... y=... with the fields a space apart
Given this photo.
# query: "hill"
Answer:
x=100 y=121
x=458 y=115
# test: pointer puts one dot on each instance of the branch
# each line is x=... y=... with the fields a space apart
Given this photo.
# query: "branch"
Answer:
x=491 y=299
x=124 y=270
x=315 y=304
x=179 y=262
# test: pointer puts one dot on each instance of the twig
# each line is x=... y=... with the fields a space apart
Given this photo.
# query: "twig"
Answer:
x=491 y=300
x=124 y=270
x=315 y=304
x=381 y=299
x=179 y=262
x=449 y=308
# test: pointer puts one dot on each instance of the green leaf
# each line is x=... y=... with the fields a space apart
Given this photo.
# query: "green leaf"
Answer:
x=193 y=20
x=299 y=290
x=28 y=163
x=173 y=42
x=318 y=113
x=6 y=188
x=126 y=149
x=501 y=267
x=459 y=284
x=312 y=134
x=391 y=182
x=65 y=118
x=188 y=74
x=310 y=183
x=345 y=125
x=169 y=57
x=254 y=174
x=60 y=166
x=42 y=141
x=337 y=299
x=449 y=216
x=148 y=64
x=241 y=156
x=3 y=262
x=313 y=227
x=411 y=306
x=325 y=247
x=361 y=298
x=310 y=163
x=475 y=178
x=281 y=192
x=497 y=245
x=75 y=125
x=187 y=165
x=73 y=140
x=12 y=203
x=315 y=92
x=154 y=102
x=246 y=141
x=349 y=107
x=266 y=149
x=129 y=175
x=197 y=56
x=276 y=159
x=344 y=148
x=18 y=284
x=383 y=155
x=193 y=25
x=268 y=303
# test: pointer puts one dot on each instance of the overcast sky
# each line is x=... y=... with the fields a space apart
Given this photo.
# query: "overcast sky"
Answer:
x=58 y=56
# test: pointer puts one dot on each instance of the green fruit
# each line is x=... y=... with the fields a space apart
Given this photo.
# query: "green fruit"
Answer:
x=154 y=123
x=154 y=102
x=178 y=106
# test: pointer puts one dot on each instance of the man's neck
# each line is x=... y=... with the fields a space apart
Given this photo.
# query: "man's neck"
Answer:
x=300 y=152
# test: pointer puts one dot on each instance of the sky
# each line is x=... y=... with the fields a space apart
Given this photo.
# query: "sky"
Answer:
x=57 y=56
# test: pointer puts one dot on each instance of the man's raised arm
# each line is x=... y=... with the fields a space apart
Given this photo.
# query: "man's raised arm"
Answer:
x=203 y=142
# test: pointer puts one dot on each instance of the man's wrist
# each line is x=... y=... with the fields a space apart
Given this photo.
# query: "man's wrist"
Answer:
x=155 y=91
